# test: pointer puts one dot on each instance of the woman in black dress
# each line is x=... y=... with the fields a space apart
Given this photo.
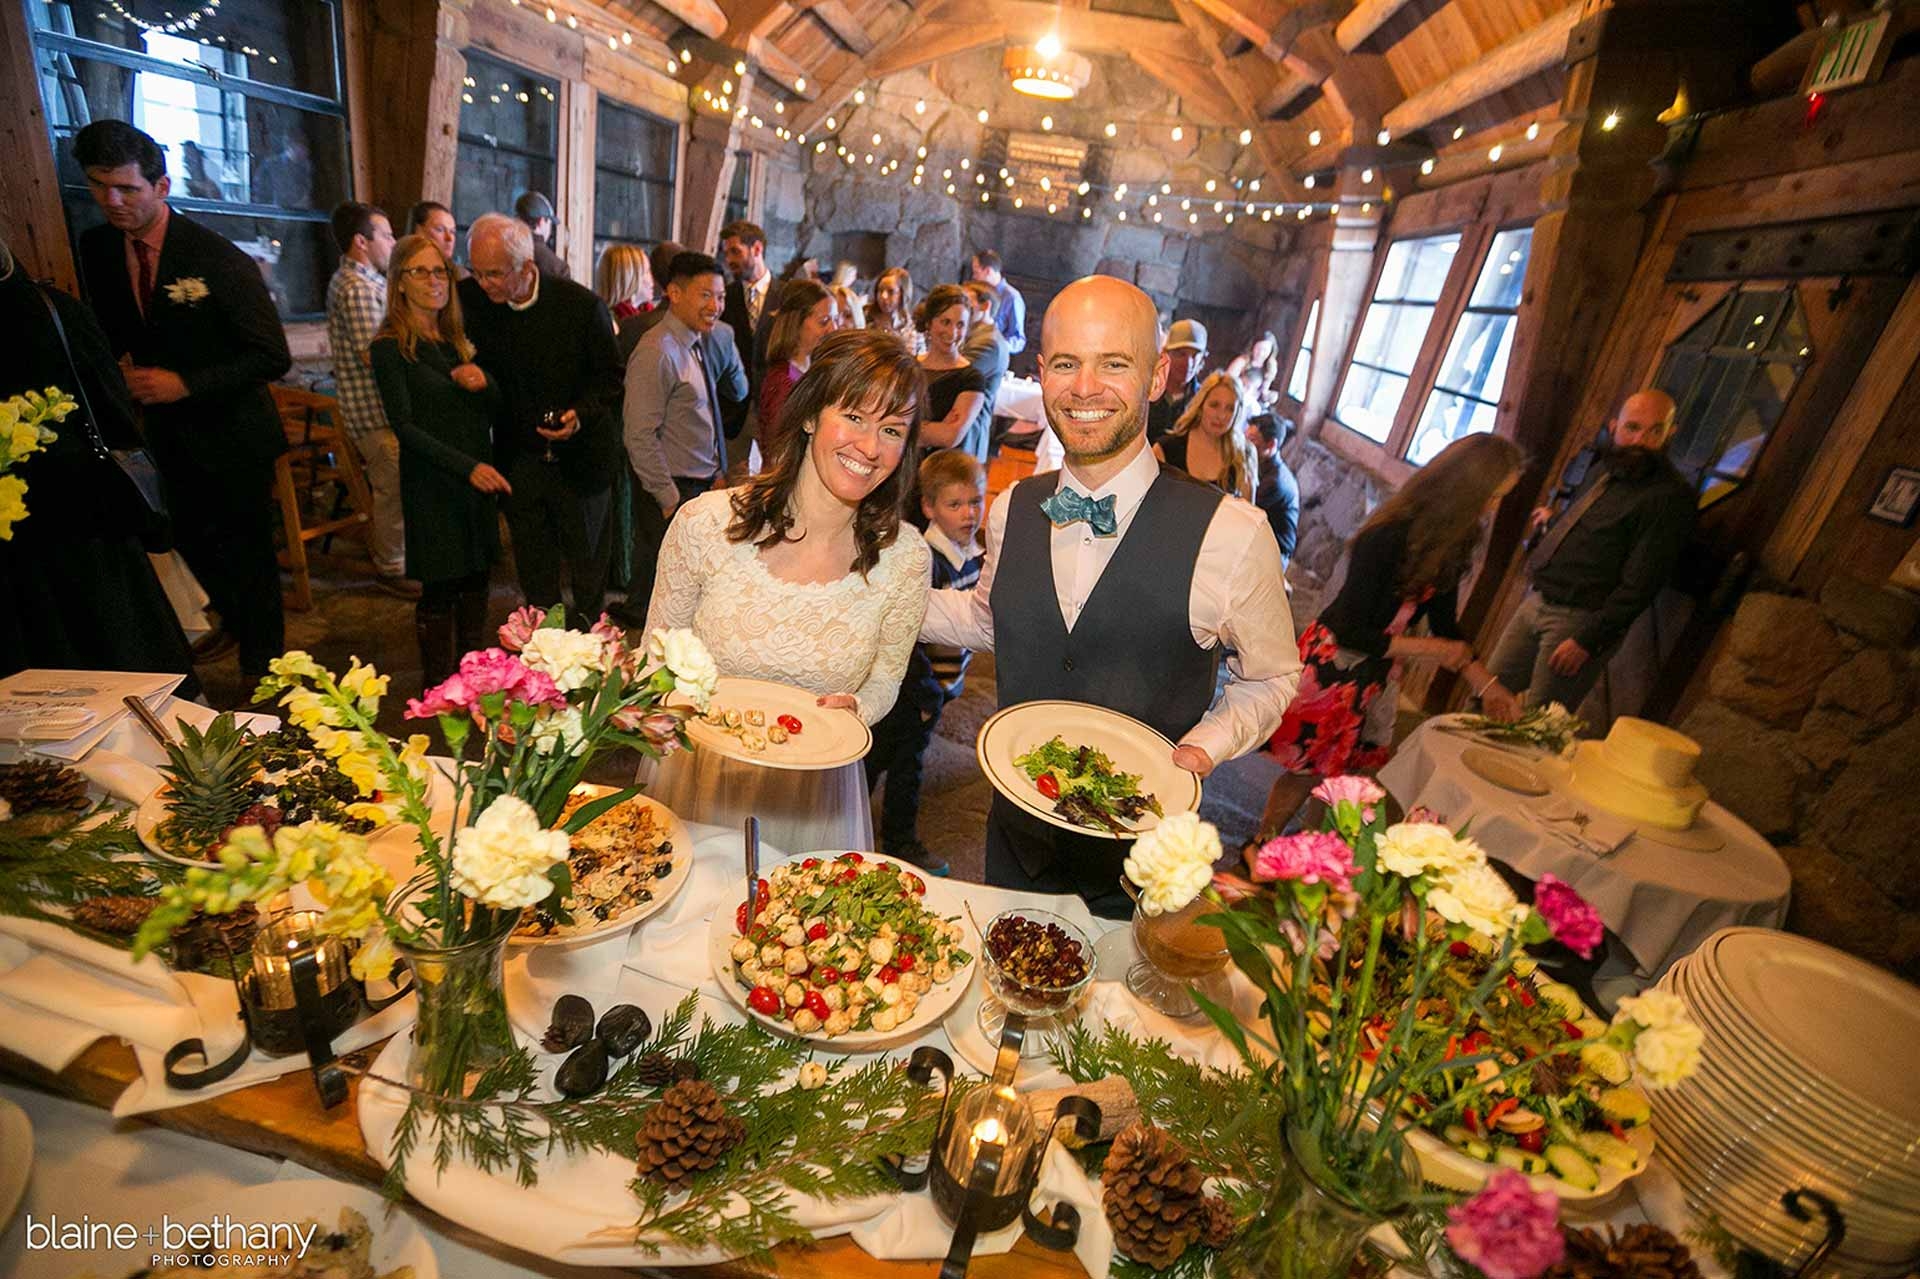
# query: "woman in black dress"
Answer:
x=1209 y=442
x=954 y=387
x=77 y=591
x=442 y=407
x=1404 y=564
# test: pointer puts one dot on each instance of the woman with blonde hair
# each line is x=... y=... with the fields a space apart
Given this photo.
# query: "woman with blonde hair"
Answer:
x=806 y=315
x=624 y=281
x=1209 y=441
x=892 y=310
x=441 y=406
x=852 y=314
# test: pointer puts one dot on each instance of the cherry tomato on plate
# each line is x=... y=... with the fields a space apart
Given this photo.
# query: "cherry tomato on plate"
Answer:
x=904 y=961
x=848 y=875
x=1532 y=1142
x=888 y=974
x=817 y=1005
x=826 y=975
x=917 y=884
x=1047 y=785
x=810 y=863
x=789 y=722
x=849 y=857
x=817 y=932
x=762 y=1000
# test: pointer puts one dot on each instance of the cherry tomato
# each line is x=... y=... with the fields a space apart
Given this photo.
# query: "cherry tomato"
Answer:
x=1459 y=950
x=810 y=863
x=917 y=884
x=762 y=1000
x=740 y=918
x=817 y=932
x=849 y=857
x=904 y=961
x=888 y=974
x=1047 y=785
x=763 y=893
x=1470 y=1120
x=1573 y=1031
x=851 y=976
x=817 y=1005
x=789 y=722
x=848 y=875
x=826 y=975
x=1532 y=1142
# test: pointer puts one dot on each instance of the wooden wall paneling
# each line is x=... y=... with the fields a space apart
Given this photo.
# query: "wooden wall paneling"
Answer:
x=637 y=81
x=1857 y=186
x=30 y=211
x=579 y=127
x=522 y=37
x=355 y=55
x=1350 y=272
x=406 y=131
x=1509 y=196
x=1772 y=138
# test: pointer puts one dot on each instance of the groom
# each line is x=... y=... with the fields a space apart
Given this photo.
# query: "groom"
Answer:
x=1117 y=583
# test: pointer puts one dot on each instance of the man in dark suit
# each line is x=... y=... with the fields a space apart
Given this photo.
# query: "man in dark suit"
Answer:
x=752 y=299
x=191 y=320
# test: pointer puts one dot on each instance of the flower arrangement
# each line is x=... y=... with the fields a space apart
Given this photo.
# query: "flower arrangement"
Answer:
x=24 y=432
x=1551 y=728
x=1173 y=863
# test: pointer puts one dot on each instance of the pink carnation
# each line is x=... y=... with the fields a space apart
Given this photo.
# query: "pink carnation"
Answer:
x=1575 y=924
x=1349 y=789
x=1312 y=857
x=481 y=673
x=520 y=626
x=1421 y=813
x=1507 y=1230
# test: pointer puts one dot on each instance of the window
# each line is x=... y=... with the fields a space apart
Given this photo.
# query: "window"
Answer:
x=509 y=138
x=740 y=193
x=1466 y=392
x=632 y=178
x=1393 y=332
x=1730 y=376
x=247 y=103
x=1297 y=383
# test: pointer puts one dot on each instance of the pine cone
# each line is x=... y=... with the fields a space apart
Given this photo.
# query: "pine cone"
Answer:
x=207 y=939
x=655 y=1070
x=685 y=1133
x=1638 y=1252
x=1152 y=1196
x=116 y=916
x=40 y=783
x=1217 y=1226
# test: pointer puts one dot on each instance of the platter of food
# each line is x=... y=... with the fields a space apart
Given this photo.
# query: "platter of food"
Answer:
x=626 y=864
x=1505 y=770
x=853 y=951
x=311 y=1227
x=1084 y=768
x=777 y=726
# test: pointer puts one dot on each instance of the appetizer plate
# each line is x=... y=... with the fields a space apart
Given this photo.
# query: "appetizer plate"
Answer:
x=664 y=890
x=828 y=738
x=398 y=1240
x=153 y=810
x=1454 y=1169
x=1132 y=746
x=16 y=1160
x=942 y=898
x=1505 y=770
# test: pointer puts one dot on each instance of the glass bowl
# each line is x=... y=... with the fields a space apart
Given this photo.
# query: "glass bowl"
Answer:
x=1050 y=1005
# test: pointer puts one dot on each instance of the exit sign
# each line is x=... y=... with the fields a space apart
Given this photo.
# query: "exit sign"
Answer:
x=1850 y=55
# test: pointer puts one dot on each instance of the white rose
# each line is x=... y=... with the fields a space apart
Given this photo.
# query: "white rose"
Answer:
x=685 y=655
x=502 y=859
x=1477 y=897
x=570 y=658
x=1171 y=863
x=1654 y=1010
x=562 y=732
x=1665 y=1055
x=1411 y=849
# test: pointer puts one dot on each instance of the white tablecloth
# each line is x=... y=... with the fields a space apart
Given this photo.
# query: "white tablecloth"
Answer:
x=1659 y=900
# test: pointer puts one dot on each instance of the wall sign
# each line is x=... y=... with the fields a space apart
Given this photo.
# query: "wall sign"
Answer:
x=1899 y=497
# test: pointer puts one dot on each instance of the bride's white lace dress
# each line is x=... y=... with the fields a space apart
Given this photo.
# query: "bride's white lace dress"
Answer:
x=853 y=635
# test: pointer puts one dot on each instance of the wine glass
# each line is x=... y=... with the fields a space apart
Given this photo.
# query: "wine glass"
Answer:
x=551 y=420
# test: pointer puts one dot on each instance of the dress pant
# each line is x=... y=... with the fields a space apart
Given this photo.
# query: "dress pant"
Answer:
x=223 y=527
x=1026 y=853
x=379 y=454
x=649 y=532
x=900 y=743
x=1520 y=656
x=555 y=526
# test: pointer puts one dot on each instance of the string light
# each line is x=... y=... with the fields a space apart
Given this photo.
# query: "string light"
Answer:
x=982 y=117
x=173 y=24
x=1426 y=166
x=1313 y=138
x=800 y=84
x=1366 y=175
x=1459 y=131
x=1533 y=130
x=1611 y=123
x=1246 y=136
x=1383 y=137
x=1211 y=184
x=1112 y=129
x=1308 y=181
x=1046 y=123
x=686 y=55
x=1254 y=185
x=1178 y=133
x=1494 y=153
x=859 y=97
x=740 y=67
x=876 y=139
x=920 y=107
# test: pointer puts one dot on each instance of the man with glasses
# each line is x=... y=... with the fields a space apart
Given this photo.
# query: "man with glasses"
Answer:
x=549 y=345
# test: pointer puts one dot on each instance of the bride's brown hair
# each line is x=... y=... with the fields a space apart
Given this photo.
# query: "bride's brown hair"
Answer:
x=867 y=370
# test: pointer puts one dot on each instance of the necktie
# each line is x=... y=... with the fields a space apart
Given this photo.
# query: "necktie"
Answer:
x=754 y=299
x=1549 y=546
x=1070 y=506
x=143 y=255
x=713 y=405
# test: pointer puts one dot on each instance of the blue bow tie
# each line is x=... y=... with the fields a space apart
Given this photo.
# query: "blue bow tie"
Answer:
x=1068 y=506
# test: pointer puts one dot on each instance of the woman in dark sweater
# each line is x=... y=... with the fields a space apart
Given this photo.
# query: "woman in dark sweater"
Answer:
x=954 y=387
x=442 y=407
x=1404 y=564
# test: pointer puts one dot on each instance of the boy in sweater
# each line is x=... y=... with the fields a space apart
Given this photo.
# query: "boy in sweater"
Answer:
x=953 y=497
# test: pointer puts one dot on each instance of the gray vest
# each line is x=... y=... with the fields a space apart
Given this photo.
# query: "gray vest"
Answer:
x=1132 y=649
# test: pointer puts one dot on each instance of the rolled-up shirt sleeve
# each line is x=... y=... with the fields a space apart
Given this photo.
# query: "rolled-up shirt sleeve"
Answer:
x=1239 y=600
x=964 y=619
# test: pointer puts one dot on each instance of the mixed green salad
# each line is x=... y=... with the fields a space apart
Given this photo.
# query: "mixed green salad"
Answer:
x=1085 y=787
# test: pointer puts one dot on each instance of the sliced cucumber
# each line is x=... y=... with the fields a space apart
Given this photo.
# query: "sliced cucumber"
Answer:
x=1609 y=1150
x=1590 y=1027
x=1573 y=1167
x=1606 y=1061
x=1520 y=1160
x=1462 y=1140
x=1624 y=1106
x=1563 y=997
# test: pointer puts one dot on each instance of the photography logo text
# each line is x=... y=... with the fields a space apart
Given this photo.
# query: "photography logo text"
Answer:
x=225 y=1240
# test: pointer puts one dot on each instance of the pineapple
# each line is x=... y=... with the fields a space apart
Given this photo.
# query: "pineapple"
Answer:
x=207 y=775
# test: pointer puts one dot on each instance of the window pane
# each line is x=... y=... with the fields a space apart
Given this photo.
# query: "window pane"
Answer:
x=1476 y=362
x=1297 y=382
x=1703 y=331
x=509 y=139
x=1720 y=391
x=1755 y=312
x=1392 y=334
x=1448 y=418
x=630 y=210
x=296 y=258
x=1790 y=339
x=1504 y=271
x=220 y=145
x=1416 y=270
x=1368 y=400
x=288 y=43
x=633 y=177
x=740 y=193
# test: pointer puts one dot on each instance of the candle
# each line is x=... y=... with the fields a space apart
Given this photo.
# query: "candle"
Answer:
x=988 y=1130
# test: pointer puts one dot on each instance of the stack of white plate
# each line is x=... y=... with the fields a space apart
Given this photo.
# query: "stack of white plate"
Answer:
x=1810 y=1077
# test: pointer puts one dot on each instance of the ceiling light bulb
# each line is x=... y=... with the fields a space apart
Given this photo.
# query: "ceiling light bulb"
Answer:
x=1046 y=184
x=1308 y=181
x=1086 y=213
x=1211 y=184
x=1193 y=219
x=1178 y=133
x=686 y=55
x=982 y=117
x=832 y=124
x=1611 y=123
x=1426 y=166
x=1229 y=219
x=740 y=67
x=1123 y=215
x=921 y=153
x=966 y=162
x=983 y=197
x=946 y=173
x=1048 y=46
x=1494 y=152
x=1246 y=136
x=876 y=139
x=1153 y=199
x=1459 y=131
x=1166 y=188
x=1303 y=214
x=626 y=37
x=1254 y=185
x=799 y=84
x=1313 y=139
x=1046 y=122
x=920 y=107
x=726 y=86
x=1366 y=175
x=950 y=188
x=859 y=97
x=1185 y=205
x=1533 y=130
x=1019 y=203
x=1218 y=206
x=1112 y=129
x=779 y=108
x=1383 y=137
x=1084 y=187
x=1156 y=217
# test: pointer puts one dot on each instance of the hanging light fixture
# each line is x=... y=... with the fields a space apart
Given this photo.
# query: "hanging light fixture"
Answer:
x=1045 y=70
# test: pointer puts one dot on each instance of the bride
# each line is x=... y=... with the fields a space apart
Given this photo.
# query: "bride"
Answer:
x=801 y=577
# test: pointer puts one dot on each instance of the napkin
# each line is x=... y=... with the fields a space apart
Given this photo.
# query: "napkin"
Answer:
x=1587 y=829
x=120 y=776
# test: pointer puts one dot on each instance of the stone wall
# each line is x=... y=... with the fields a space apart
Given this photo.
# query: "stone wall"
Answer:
x=1809 y=736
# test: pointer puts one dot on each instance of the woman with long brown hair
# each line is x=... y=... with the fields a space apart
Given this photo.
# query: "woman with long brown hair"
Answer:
x=1209 y=442
x=955 y=389
x=892 y=308
x=800 y=576
x=1404 y=564
x=806 y=315
x=441 y=406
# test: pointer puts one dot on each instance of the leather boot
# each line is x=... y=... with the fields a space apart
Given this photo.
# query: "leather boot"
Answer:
x=470 y=622
x=434 y=627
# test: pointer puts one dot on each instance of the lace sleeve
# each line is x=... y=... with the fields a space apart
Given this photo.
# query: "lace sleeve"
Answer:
x=899 y=627
x=679 y=575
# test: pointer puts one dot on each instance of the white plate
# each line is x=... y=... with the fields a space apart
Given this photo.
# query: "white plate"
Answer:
x=827 y=738
x=397 y=1238
x=153 y=810
x=664 y=889
x=16 y=1160
x=1454 y=1169
x=1504 y=770
x=942 y=898
x=1132 y=746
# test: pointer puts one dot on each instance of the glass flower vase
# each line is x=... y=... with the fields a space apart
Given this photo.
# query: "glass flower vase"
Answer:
x=1178 y=956
x=1325 y=1203
x=461 y=1029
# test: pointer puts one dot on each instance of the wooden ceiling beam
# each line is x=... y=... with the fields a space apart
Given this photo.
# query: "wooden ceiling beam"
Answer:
x=1367 y=17
x=1284 y=94
x=1201 y=96
x=1530 y=52
x=781 y=67
x=839 y=21
x=704 y=16
x=890 y=31
x=934 y=41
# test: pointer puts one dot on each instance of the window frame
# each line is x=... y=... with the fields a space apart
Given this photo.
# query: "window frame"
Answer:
x=1467 y=308
x=557 y=158
x=744 y=162
x=1303 y=350
x=671 y=183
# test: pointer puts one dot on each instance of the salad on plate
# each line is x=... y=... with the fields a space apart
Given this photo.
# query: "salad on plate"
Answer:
x=1085 y=787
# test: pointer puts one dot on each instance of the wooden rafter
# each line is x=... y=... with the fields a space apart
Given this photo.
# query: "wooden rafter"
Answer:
x=935 y=41
x=1368 y=16
x=1528 y=53
x=781 y=67
x=839 y=21
x=896 y=26
x=1283 y=94
x=703 y=16
x=1201 y=96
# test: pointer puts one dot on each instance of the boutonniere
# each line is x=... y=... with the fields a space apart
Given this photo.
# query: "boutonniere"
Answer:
x=187 y=290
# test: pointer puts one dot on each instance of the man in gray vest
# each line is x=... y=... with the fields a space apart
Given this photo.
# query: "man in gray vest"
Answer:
x=1116 y=583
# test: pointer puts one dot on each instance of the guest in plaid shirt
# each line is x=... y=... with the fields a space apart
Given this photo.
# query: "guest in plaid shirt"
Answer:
x=356 y=303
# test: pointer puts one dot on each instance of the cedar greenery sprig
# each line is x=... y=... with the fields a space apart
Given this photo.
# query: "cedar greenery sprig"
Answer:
x=87 y=854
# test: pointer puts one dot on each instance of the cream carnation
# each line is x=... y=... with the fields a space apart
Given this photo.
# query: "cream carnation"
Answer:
x=502 y=859
x=1171 y=863
x=1477 y=897
x=1653 y=1009
x=569 y=658
x=1665 y=1055
x=561 y=731
x=686 y=657
x=1411 y=849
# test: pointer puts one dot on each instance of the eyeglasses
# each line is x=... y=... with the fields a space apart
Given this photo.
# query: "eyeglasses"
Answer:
x=488 y=277
x=425 y=272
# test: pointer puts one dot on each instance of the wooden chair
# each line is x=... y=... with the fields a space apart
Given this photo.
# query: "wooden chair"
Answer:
x=317 y=455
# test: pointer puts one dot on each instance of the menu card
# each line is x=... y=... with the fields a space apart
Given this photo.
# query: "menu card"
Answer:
x=65 y=714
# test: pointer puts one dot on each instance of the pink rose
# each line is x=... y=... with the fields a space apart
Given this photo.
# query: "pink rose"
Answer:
x=1312 y=857
x=1350 y=790
x=1507 y=1230
x=660 y=728
x=1575 y=924
x=520 y=626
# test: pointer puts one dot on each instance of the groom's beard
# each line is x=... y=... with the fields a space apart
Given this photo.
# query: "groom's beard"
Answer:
x=1103 y=440
x=1633 y=463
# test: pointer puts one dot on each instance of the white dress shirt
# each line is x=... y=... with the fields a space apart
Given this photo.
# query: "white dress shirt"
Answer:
x=1238 y=600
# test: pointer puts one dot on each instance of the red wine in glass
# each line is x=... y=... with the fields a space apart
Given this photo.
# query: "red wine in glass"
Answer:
x=551 y=420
